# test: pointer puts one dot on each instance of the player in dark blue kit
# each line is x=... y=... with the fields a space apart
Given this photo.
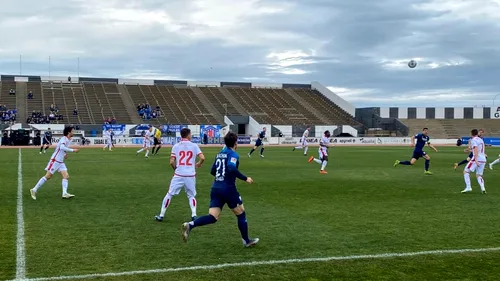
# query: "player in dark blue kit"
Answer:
x=259 y=142
x=465 y=161
x=225 y=170
x=47 y=141
x=421 y=140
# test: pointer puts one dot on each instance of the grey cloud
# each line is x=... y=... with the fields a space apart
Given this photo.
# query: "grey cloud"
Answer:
x=347 y=41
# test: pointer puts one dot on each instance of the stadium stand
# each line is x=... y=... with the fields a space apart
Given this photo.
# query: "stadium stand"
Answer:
x=5 y=98
x=105 y=102
x=452 y=128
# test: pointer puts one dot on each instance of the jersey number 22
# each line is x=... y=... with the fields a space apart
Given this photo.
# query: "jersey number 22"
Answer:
x=185 y=158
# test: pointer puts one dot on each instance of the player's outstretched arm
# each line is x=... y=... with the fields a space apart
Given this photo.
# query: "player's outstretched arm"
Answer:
x=67 y=149
x=433 y=147
x=232 y=166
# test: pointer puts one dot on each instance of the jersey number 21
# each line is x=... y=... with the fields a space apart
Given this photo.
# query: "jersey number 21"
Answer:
x=220 y=169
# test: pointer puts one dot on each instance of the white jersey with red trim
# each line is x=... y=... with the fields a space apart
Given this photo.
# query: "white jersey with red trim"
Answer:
x=305 y=134
x=147 y=136
x=324 y=142
x=479 y=143
x=62 y=149
x=185 y=153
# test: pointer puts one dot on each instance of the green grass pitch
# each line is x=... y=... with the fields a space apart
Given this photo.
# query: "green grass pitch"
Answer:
x=363 y=206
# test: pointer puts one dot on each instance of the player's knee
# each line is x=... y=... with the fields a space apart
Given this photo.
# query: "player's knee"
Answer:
x=48 y=176
x=238 y=210
x=325 y=158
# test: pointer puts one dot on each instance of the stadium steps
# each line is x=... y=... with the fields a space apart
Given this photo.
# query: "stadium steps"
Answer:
x=129 y=104
x=450 y=129
x=307 y=106
x=36 y=104
x=5 y=98
x=208 y=105
x=241 y=110
x=21 y=97
x=436 y=129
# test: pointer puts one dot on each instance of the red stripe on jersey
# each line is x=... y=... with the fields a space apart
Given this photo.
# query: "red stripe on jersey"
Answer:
x=470 y=164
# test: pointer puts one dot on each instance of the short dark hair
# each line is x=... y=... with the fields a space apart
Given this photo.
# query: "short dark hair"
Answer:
x=68 y=130
x=425 y=129
x=185 y=132
x=474 y=132
x=230 y=139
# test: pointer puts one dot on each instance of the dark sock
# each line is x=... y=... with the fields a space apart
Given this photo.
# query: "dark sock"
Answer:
x=463 y=162
x=404 y=163
x=204 y=220
x=251 y=151
x=427 y=163
x=153 y=151
x=157 y=149
x=261 y=151
x=41 y=148
x=243 y=226
x=46 y=148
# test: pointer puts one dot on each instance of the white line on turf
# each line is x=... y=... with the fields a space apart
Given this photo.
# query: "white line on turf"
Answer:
x=21 y=251
x=269 y=262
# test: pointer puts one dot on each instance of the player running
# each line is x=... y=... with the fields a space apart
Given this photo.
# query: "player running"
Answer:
x=303 y=141
x=421 y=140
x=468 y=149
x=46 y=141
x=225 y=170
x=109 y=139
x=259 y=143
x=56 y=164
x=477 y=163
x=156 y=140
x=182 y=160
x=323 y=152
x=146 y=142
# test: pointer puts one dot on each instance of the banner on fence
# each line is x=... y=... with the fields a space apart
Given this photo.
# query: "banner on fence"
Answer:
x=118 y=130
x=212 y=131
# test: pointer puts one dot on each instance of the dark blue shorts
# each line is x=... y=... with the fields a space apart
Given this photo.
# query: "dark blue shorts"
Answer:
x=258 y=143
x=220 y=197
x=46 y=142
x=418 y=153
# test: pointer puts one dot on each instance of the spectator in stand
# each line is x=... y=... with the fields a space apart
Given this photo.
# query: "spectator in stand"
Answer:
x=12 y=92
x=30 y=95
x=75 y=111
x=113 y=121
x=52 y=108
x=56 y=109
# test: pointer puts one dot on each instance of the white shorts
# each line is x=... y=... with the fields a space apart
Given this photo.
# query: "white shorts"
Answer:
x=303 y=141
x=146 y=144
x=322 y=151
x=54 y=167
x=178 y=182
x=474 y=168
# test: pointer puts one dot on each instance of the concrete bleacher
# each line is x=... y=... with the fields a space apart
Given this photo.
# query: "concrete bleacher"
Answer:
x=452 y=128
x=5 y=98
x=179 y=104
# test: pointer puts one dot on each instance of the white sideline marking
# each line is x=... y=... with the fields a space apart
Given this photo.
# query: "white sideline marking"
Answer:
x=21 y=250
x=270 y=262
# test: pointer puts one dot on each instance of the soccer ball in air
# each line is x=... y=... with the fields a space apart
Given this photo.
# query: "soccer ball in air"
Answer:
x=412 y=64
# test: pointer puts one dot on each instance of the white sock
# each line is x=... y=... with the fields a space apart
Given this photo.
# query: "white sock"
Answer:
x=64 y=186
x=298 y=147
x=481 y=182
x=39 y=184
x=140 y=150
x=495 y=162
x=147 y=153
x=192 y=204
x=324 y=165
x=467 y=181
x=165 y=203
x=305 y=149
x=317 y=161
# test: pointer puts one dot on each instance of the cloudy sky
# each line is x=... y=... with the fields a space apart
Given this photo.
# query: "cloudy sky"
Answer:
x=358 y=48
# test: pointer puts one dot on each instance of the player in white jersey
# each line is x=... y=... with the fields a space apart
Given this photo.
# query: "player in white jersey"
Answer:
x=146 y=143
x=109 y=140
x=477 y=163
x=56 y=164
x=183 y=161
x=303 y=141
x=323 y=152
